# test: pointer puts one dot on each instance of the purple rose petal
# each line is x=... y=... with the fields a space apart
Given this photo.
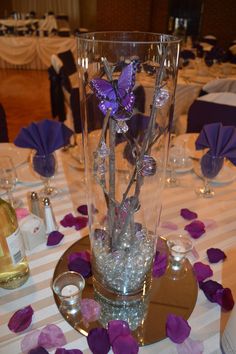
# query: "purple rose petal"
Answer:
x=85 y=255
x=190 y=346
x=159 y=264
x=117 y=328
x=38 y=350
x=51 y=336
x=224 y=298
x=81 y=266
x=68 y=351
x=83 y=209
x=209 y=288
x=215 y=255
x=188 y=214
x=169 y=225
x=90 y=310
x=68 y=220
x=125 y=345
x=54 y=238
x=21 y=319
x=196 y=228
x=30 y=341
x=80 y=222
x=98 y=341
x=177 y=328
x=202 y=271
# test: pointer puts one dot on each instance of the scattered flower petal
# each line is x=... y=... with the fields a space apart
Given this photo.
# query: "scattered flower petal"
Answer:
x=85 y=255
x=117 y=328
x=21 y=319
x=209 y=288
x=68 y=220
x=125 y=345
x=202 y=271
x=30 y=341
x=90 y=310
x=21 y=213
x=169 y=225
x=188 y=214
x=68 y=351
x=215 y=255
x=83 y=209
x=159 y=264
x=190 y=346
x=80 y=222
x=51 y=336
x=78 y=262
x=54 y=238
x=38 y=350
x=98 y=341
x=224 y=298
x=177 y=328
x=196 y=228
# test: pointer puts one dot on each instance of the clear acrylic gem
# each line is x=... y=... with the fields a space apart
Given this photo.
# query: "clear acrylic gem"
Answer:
x=121 y=126
x=161 y=98
x=103 y=151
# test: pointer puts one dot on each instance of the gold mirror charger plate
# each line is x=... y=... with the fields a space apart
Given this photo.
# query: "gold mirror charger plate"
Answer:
x=166 y=296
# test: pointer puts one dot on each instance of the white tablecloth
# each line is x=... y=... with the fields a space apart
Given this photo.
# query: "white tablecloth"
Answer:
x=32 y=52
x=206 y=317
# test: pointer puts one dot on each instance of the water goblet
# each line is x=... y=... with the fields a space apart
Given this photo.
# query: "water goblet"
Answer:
x=8 y=179
x=45 y=166
x=68 y=286
x=179 y=246
x=210 y=167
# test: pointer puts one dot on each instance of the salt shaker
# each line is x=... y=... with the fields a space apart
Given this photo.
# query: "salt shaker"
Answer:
x=49 y=218
x=35 y=206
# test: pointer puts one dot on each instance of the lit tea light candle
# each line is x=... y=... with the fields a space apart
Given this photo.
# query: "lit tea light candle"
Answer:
x=70 y=290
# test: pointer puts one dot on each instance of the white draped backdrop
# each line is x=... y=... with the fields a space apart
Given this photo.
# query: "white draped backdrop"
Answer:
x=67 y=7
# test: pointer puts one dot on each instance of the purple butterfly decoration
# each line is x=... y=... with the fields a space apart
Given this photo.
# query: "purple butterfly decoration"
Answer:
x=117 y=94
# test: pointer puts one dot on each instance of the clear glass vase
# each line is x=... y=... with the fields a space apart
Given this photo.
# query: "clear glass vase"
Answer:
x=127 y=87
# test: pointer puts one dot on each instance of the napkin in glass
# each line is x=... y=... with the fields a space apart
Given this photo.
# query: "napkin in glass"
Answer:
x=45 y=136
x=221 y=141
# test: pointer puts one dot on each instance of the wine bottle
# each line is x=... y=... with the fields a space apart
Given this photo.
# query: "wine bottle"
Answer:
x=14 y=269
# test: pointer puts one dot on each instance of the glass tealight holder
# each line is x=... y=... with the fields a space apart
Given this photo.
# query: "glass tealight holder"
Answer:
x=179 y=246
x=68 y=286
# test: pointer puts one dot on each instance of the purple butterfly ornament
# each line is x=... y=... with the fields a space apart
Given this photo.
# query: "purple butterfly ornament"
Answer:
x=117 y=94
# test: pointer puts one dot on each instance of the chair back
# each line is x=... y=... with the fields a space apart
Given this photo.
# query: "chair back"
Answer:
x=212 y=108
x=3 y=126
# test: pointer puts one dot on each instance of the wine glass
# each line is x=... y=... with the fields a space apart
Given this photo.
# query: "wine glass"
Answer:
x=8 y=179
x=179 y=246
x=45 y=166
x=174 y=160
x=210 y=167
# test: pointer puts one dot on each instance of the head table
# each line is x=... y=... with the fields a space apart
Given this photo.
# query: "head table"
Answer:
x=206 y=321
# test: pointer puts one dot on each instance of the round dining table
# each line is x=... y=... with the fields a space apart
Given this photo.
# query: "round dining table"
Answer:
x=207 y=320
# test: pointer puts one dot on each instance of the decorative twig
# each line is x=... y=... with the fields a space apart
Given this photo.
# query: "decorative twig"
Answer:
x=112 y=175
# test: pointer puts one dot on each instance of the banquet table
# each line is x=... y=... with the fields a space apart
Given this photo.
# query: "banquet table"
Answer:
x=206 y=320
x=32 y=52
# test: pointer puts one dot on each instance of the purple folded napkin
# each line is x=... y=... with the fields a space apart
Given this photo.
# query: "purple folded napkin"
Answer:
x=45 y=136
x=221 y=140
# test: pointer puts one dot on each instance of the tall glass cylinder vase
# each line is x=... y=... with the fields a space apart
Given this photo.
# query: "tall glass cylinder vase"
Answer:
x=127 y=86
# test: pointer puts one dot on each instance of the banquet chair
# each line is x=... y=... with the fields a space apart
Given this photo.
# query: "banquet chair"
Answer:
x=210 y=39
x=219 y=85
x=3 y=126
x=212 y=108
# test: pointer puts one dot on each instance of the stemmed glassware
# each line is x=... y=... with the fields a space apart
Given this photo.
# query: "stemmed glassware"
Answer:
x=45 y=166
x=210 y=167
x=8 y=179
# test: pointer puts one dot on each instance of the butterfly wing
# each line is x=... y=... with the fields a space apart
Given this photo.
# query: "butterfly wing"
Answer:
x=103 y=89
x=126 y=80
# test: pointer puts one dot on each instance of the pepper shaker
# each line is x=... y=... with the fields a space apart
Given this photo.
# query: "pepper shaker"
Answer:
x=35 y=205
x=49 y=218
